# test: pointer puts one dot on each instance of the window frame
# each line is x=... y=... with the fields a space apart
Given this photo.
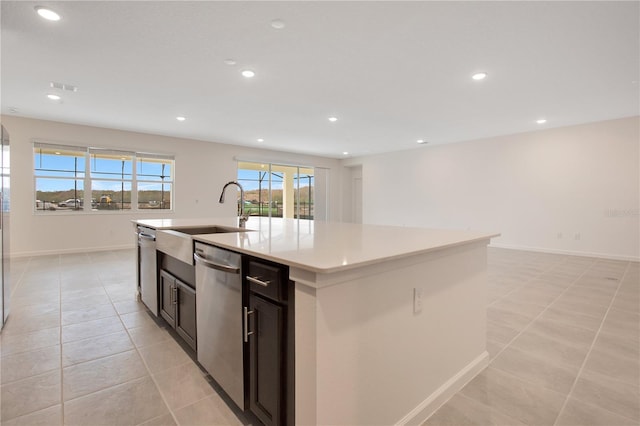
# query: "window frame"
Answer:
x=90 y=177
x=271 y=169
x=96 y=154
x=141 y=156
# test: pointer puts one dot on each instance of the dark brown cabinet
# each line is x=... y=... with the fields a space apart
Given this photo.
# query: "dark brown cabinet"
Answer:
x=270 y=353
x=178 y=306
x=265 y=360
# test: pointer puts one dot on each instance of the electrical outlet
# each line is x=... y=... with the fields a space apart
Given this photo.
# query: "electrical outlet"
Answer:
x=559 y=235
x=577 y=236
x=417 y=300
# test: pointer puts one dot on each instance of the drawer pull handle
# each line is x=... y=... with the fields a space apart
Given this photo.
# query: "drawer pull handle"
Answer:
x=258 y=281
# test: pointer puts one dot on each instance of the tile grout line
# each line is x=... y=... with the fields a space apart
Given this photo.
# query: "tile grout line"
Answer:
x=490 y=408
x=61 y=354
x=57 y=278
x=153 y=379
x=593 y=342
x=11 y=295
x=628 y=270
x=526 y=327
x=126 y=330
x=522 y=331
x=520 y=263
x=144 y=362
x=19 y=280
x=90 y=261
x=537 y=276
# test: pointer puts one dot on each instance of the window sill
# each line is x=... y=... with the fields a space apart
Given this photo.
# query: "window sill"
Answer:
x=53 y=213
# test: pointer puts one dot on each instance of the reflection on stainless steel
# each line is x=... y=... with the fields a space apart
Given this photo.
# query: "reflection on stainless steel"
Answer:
x=5 y=197
x=147 y=268
x=219 y=319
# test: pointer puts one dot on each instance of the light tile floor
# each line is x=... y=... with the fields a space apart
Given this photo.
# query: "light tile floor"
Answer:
x=563 y=335
x=79 y=349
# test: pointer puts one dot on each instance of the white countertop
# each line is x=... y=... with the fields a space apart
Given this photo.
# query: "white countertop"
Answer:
x=322 y=247
x=187 y=223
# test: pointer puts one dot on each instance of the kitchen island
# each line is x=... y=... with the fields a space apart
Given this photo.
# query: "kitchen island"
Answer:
x=389 y=321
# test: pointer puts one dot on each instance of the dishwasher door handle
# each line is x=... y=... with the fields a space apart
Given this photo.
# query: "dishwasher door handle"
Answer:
x=214 y=265
x=146 y=236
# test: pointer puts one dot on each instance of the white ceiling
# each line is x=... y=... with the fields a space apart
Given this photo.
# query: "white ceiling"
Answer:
x=392 y=72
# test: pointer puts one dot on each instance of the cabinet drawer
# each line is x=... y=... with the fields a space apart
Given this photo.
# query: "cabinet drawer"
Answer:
x=266 y=280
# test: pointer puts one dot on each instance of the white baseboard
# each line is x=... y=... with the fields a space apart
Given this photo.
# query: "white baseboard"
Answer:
x=69 y=251
x=426 y=408
x=568 y=252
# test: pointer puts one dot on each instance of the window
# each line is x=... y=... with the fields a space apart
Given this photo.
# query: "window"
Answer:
x=115 y=180
x=155 y=181
x=59 y=174
x=111 y=179
x=278 y=190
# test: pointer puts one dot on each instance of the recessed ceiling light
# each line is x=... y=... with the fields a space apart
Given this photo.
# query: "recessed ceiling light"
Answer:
x=345 y=153
x=541 y=121
x=260 y=140
x=421 y=141
x=57 y=152
x=248 y=73
x=53 y=97
x=278 y=24
x=333 y=119
x=47 y=14
x=181 y=118
x=230 y=61
x=479 y=76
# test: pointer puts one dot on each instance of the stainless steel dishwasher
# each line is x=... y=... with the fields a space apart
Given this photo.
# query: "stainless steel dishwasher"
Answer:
x=219 y=317
x=147 y=272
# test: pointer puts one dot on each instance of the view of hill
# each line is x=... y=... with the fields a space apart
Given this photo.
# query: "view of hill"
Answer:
x=143 y=196
x=255 y=195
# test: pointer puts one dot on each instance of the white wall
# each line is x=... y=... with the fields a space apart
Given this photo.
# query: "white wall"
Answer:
x=352 y=194
x=531 y=187
x=202 y=168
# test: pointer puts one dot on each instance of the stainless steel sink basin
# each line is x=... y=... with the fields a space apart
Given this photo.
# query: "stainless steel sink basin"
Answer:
x=178 y=243
x=208 y=230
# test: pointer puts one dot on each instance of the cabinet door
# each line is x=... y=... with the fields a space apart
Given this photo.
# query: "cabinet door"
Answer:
x=266 y=358
x=168 y=298
x=186 y=315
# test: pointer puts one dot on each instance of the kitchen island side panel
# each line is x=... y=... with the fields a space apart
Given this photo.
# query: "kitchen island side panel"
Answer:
x=305 y=355
x=379 y=362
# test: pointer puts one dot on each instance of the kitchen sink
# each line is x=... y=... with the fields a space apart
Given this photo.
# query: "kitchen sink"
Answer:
x=178 y=243
x=208 y=230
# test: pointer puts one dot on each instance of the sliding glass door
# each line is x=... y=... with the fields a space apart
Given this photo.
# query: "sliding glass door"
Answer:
x=277 y=190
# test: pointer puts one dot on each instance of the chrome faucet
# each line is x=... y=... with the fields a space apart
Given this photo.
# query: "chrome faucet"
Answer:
x=242 y=219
